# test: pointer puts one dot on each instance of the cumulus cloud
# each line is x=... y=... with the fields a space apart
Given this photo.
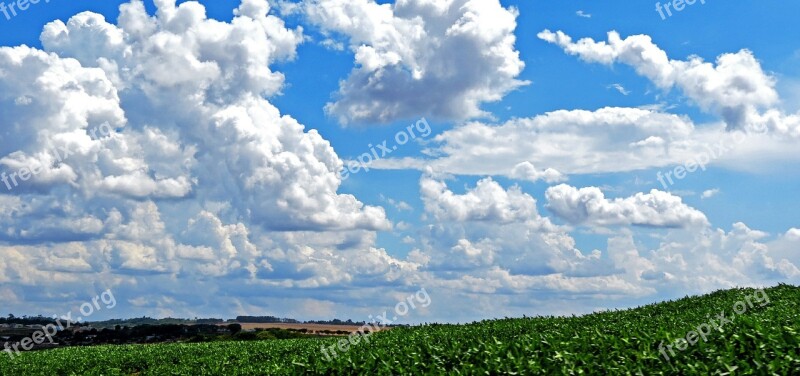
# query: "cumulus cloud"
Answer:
x=735 y=86
x=410 y=57
x=527 y=171
x=706 y=260
x=614 y=139
x=590 y=206
x=281 y=176
x=488 y=201
x=201 y=184
x=490 y=227
x=194 y=174
x=564 y=142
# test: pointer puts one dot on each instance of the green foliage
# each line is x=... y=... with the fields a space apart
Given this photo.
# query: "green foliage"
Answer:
x=764 y=340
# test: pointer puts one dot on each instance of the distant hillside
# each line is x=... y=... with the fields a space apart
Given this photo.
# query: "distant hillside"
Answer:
x=762 y=338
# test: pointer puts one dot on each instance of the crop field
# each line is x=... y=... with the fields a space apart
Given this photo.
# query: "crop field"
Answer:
x=765 y=339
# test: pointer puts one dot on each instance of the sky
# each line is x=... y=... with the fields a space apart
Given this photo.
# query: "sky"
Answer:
x=328 y=158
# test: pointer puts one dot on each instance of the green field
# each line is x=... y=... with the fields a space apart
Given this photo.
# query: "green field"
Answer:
x=763 y=340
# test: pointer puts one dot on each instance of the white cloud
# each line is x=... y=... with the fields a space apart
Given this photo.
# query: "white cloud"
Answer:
x=280 y=175
x=626 y=139
x=397 y=204
x=489 y=228
x=735 y=87
x=706 y=260
x=527 y=171
x=410 y=57
x=709 y=193
x=201 y=181
x=488 y=201
x=204 y=186
x=332 y=44
x=621 y=89
x=590 y=206
x=565 y=142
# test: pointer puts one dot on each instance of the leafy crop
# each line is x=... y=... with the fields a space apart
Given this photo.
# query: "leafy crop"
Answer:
x=764 y=340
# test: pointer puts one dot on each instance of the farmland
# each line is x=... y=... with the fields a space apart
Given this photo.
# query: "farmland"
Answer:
x=765 y=339
x=299 y=326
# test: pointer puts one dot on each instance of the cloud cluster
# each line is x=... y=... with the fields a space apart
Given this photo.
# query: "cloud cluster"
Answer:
x=421 y=57
x=490 y=233
x=201 y=82
x=615 y=139
x=200 y=178
x=734 y=87
x=488 y=201
x=610 y=139
x=589 y=206
x=203 y=185
x=473 y=254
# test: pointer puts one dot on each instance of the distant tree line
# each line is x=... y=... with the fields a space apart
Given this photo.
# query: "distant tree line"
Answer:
x=157 y=334
x=145 y=320
x=265 y=319
x=336 y=322
x=273 y=319
x=30 y=320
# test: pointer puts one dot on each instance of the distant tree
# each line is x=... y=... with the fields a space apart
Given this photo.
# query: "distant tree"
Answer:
x=235 y=328
x=245 y=336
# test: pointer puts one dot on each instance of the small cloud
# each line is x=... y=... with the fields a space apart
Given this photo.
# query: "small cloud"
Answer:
x=650 y=141
x=403 y=226
x=409 y=240
x=527 y=171
x=402 y=206
x=332 y=45
x=399 y=205
x=657 y=107
x=583 y=14
x=23 y=100
x=619 y=88
x=709 y=193
x=287 y=8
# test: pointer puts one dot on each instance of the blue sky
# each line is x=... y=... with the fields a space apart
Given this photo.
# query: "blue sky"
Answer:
x=219 y=191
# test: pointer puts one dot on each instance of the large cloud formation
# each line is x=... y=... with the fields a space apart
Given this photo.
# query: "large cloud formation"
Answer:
x=421 y=57
x=156 y=153
x=617 y=139
x=492 y=246
x=163 y=171
x=735 y=87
